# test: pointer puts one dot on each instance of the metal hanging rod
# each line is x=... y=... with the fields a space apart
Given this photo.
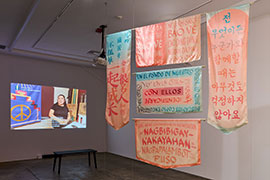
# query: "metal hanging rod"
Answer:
x=189 y=11
x=203 y=66
x=201 y=119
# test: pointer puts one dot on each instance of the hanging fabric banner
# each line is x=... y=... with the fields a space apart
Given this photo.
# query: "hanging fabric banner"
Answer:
x=171 y=42
x=227 y=32
x=118 y=78
x=168 y=143
x=25 y=104
x=169 y=91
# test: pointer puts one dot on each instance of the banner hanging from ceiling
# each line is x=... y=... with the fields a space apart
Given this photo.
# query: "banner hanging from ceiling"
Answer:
x=171 y=42
x=118 y=78
x=169 y=91
x=227 y=32
x=168 y=143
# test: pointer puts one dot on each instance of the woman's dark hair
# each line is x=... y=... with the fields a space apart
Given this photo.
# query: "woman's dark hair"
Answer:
x=65 y=104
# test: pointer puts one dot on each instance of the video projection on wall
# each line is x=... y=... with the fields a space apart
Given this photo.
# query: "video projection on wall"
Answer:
x=46 y=107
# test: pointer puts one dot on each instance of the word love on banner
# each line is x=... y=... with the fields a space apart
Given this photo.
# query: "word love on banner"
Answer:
x=171 y=42
x=169 y=91
x=168 y=143
x=118 y=78
x=227 y=32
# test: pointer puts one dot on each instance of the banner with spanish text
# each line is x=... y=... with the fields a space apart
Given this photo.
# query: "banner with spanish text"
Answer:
x=168 y=143
x=169 y=91
x=227 y=32
x=118 y=78
x=171 y=42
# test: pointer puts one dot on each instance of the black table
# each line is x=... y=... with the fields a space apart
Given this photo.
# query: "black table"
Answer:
x=59 y=154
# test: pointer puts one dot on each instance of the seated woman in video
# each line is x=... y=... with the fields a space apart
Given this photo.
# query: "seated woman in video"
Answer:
x=59 y=112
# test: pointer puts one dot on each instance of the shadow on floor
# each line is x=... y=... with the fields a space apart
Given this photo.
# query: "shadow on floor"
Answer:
x=110 y=167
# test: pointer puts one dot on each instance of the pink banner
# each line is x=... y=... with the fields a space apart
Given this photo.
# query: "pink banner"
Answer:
x=172 y=42
x=118 y=78
x=168 y=143
x=227 y=32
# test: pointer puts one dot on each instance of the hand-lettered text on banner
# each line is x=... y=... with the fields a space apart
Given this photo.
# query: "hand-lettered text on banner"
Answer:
x=118 y=78
x=227 y=32
x=171 y=42
x=168 y=143
x=169 y=91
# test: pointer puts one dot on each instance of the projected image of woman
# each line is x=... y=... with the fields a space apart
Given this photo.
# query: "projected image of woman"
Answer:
x=59 y=111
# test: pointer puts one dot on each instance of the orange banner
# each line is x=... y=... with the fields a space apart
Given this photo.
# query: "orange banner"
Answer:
x=227 y=32
x=118 y=78
x=171 y=42
x=168 y=143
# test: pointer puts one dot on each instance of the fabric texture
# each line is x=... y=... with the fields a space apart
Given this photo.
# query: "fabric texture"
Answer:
x=168 y=143
x=171 y=42
x=118 y=78
x=227 y=32
x=25 y=104
x=169 y=91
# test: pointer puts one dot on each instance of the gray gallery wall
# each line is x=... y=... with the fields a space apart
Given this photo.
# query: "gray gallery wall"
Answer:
x=27 y=144
x=242 y=155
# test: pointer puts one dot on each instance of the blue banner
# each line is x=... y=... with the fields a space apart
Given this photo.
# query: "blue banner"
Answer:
x=25 y=104
x=118 y=46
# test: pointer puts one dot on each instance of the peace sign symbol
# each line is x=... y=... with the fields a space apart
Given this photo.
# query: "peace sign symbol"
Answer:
x=21 y=115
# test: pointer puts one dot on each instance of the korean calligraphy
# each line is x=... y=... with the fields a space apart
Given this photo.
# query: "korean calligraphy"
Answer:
x=227 y=32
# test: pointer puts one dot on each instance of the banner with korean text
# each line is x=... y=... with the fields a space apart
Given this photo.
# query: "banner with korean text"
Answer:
x=169 y=91
x=227 y=32
x=171 y=42
x=168 y=143
x=118 y=78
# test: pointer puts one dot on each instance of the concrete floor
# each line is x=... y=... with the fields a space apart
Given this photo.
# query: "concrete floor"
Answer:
x=110 y=167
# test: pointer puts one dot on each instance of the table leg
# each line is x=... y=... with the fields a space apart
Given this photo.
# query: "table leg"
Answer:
x=95 y=160
x=54 y=162
x=59 y=165
x=89 y=159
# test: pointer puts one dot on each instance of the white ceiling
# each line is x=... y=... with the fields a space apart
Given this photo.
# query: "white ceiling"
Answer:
x=70 y=36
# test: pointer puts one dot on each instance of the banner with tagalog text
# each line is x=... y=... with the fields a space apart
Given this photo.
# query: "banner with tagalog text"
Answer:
x=227 y=32
x=118 y=78
x=168 y=143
